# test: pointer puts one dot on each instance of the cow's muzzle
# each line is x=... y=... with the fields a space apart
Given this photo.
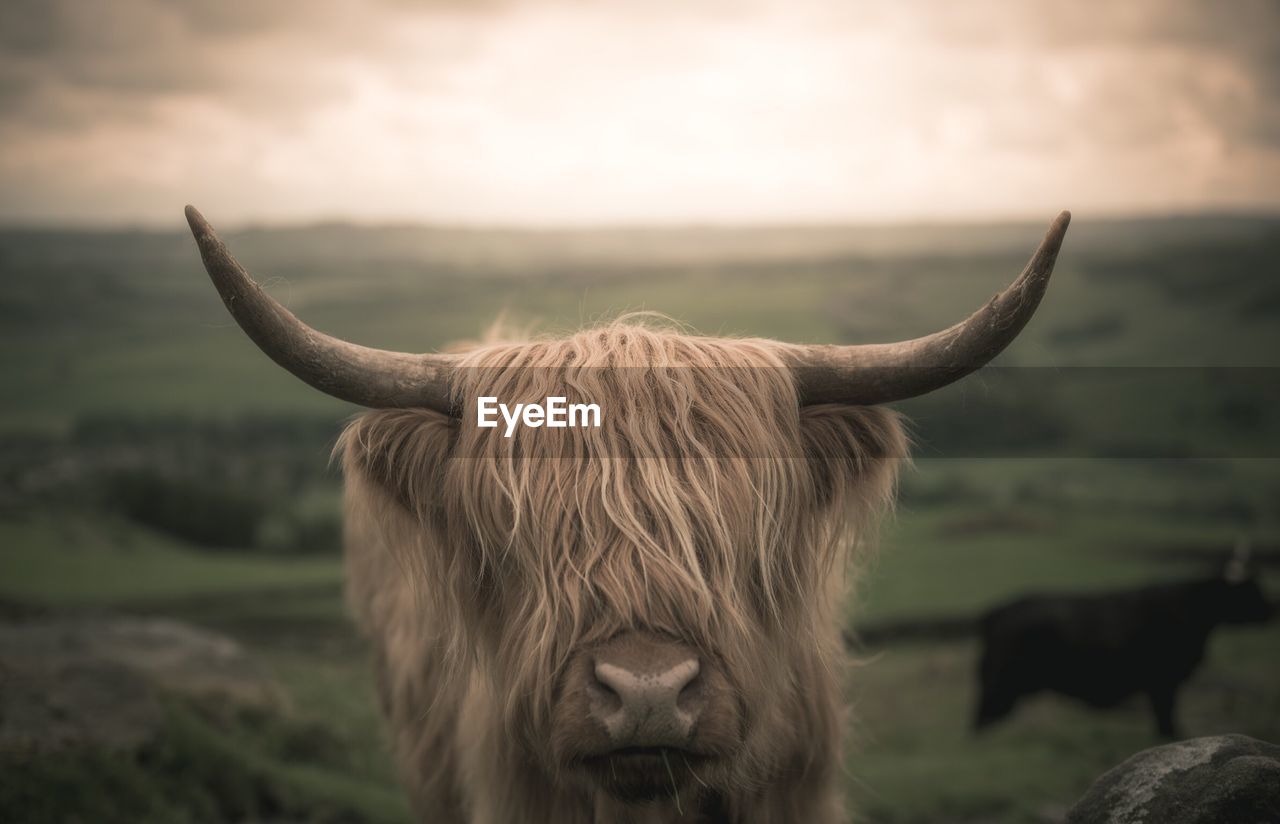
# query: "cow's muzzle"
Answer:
x=646 y=694
x=644 y=714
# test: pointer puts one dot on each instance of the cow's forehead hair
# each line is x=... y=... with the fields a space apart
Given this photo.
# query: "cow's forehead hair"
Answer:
x=653 y=496
x=694 y=488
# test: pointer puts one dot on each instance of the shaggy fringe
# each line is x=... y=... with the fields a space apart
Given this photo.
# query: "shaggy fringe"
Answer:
x=710 y=507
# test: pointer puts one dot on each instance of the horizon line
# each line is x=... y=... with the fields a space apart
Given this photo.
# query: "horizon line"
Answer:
x=933 y=221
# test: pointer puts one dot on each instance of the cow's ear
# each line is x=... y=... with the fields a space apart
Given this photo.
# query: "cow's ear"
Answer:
x=854 y=453
x=404 y=452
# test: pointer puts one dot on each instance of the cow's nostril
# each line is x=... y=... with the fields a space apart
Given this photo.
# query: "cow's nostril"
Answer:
x=691 y=691
x=604 y=697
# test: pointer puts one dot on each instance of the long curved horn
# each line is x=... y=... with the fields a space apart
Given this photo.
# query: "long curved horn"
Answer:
x=883 y=372
x=358 y=374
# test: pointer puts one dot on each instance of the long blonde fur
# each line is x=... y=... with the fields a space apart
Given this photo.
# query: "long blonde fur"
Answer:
x=710 y=507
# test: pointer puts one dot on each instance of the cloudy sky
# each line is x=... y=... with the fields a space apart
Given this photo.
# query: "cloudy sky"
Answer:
x=563 y=112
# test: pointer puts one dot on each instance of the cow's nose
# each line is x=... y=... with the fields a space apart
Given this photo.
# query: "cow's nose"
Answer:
x=647 y=707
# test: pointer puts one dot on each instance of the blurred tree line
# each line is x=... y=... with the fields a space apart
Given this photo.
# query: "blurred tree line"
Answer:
x=257 y=482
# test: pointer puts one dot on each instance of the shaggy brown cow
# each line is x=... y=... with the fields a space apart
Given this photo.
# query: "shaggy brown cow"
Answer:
x=636 y=623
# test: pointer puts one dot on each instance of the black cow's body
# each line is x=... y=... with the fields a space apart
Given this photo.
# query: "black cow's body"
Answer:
x=1105 y=648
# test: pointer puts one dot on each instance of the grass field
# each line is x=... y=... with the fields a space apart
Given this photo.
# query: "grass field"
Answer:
x=122 y=371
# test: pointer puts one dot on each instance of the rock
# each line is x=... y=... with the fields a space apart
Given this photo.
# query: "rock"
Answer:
x=59 y=707
x=1227 y=778
x=70 y=682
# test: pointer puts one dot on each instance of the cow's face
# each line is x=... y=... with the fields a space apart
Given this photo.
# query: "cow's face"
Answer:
x=653 y=600
x=1239 y=595
x=1244 y=602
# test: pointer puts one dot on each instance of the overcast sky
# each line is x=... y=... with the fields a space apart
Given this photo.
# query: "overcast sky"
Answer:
x=547 y=113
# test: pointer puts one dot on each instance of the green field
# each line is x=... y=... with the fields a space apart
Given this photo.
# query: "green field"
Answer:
x=153 y=463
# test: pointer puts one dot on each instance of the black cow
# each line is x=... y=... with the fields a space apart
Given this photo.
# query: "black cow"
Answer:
x=1104 y=648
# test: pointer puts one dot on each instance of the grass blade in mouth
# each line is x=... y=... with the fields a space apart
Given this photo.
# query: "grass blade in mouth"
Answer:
x=675 y=791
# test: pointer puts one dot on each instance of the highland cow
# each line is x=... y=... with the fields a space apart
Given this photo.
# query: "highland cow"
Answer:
x=636 y=623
